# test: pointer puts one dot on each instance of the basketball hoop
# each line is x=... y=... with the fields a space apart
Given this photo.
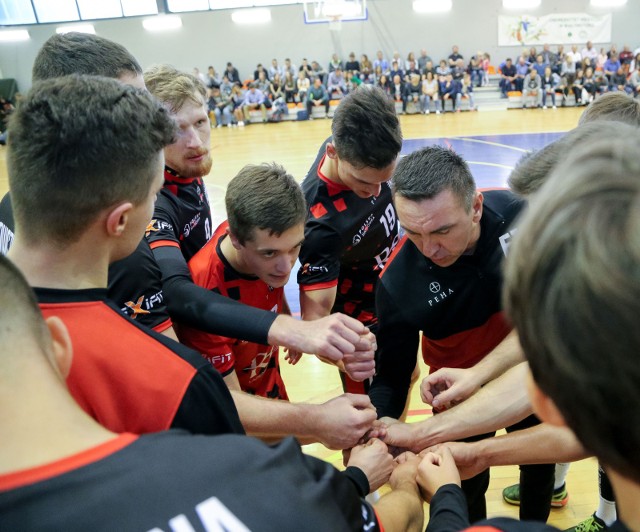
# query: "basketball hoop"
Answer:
x=335 y=22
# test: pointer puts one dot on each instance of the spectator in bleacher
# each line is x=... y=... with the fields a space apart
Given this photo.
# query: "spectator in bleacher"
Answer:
x=335 y=63
x=303 y=85
x=290 y=87
x=336 y=83
x=384 y=83
x=575 y=55
x=618 y=81
x=258 y=70
x=232 y=73
x=318 y=72
x=565 y=86
x=625 y=57
x=450 y=90
x=377 y=74
x=367 y=77
x=611 y=66
x=634 y=63
x=202 y=77
x=254 y=99
x=458 y=70
x=237 y=98
x=602 y=59
x=396 y=70
x=540 y=65
x=454 y=55
x=429 y=68
x=352 y=65
x=226 y=85
x=475 y=69
x=466 y=91
x=430 y=91
x=443 y=68
x=398 y=60
x=548 y=56
x=275 y=69
x=583 y=94
x=423 y=60
x=305 y=67
x=365 y=63
x=531 y=59
x=262 y=84
x=212 y=78
x=221 y=107
x=590 y=52
x=634 y=80
x=507 y=78
x=522 y=69
x=586 y=63
x=486 y=63
x=289 y=67
x=550 y=80
x=532 y=86
x=410 y=57
x=568 y=67
x=316 y=97
x=412 y=69
x=413 y=94
x=381 y=62
x=397 y=89
x=276 y=88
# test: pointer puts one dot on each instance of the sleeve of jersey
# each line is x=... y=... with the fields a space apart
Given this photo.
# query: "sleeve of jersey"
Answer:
x=216 y=349
x=319 y=257
x=448 y=510
x=164 y=230
x=395 y=359
x=206 y=310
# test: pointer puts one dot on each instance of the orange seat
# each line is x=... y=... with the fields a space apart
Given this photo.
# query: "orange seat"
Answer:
x=491 y=69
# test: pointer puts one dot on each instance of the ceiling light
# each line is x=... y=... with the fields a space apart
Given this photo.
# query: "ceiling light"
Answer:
x=162 y=23
x=608 y=3
x=80 y=28
x=14 y=35
x=260 y=15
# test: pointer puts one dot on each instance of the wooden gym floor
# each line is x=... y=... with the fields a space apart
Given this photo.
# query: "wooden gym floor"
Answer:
x=499 y=139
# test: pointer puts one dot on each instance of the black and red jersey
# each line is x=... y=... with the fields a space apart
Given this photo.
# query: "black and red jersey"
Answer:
x=256 y=365
x=182 y=215
x=176 y=481
x=132 y=379
x=348 y=241
x=458 y=308
x=135 y=282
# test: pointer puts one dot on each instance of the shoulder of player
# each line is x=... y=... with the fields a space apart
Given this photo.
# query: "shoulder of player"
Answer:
x=503 y=204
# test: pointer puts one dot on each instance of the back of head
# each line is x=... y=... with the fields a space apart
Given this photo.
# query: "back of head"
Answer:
x=173 y=87
x=366 y=130
x=82 y=53
x=427 y=172
x=572 y=290
x=617 y=106
x=534 y=168
x=78 y=145
x=264 y=196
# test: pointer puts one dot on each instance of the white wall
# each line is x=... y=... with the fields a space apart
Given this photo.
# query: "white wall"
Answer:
x=212 y=38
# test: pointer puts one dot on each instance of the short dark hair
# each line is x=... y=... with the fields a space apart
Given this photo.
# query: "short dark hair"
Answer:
x=427 y=172
x=618 y=106
x=366 y=130
x=534 y=168
x=82 y=53
x=263 y=196
x=79 y=144
x=572 y=292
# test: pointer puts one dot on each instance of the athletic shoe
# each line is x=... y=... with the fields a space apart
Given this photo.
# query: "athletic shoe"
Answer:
x=590 y=524
x=240 y=123
x=560 y=497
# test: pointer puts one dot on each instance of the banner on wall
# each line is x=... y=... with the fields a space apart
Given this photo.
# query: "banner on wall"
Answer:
x=559 y=28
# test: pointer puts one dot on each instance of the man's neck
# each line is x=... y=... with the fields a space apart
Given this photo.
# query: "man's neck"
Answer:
x=329 y=169
x=77 y=266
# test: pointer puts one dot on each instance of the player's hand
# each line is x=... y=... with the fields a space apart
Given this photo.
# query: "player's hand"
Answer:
x=378 y=430
x=448 y=386
x=468 y=461
x=405 y=472
x=374 y=460
x=436 y=470
x=343 y=421
x=399 y=434
x=330 y=337
x=360 y=365
x=292 y=356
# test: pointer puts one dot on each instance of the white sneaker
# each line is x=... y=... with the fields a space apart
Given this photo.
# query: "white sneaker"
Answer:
x=229 y=124
x=218 y=125
x=427 y=112
x=554 y=107
x=240 y=123
x=544 y=106
x=437 y=112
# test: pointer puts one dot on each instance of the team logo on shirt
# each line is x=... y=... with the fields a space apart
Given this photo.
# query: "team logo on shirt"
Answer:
x=258 y=365
x=437 y=293
x=191 y=225
x=434 y=287
x=155 y=225
x=505 y=241
x=357 y=238
x=307 y=269
x=134 y=309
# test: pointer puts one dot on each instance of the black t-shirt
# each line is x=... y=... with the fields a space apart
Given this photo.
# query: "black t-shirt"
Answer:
x=135 y=282
x=177 y=481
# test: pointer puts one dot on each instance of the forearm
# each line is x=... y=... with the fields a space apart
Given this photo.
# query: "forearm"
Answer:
x=541 y=444
x=316 y=304
x=498 y=404
x=505 y=355
x=401 y=509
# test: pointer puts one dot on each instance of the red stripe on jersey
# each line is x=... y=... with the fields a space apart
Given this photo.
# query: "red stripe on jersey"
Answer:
x=24 y=477
x=483 y=529
x=469 y=346
x=397 y=249
x=318 y=286
x=161 y=327
x=163 y=243
x=318 y=210
x=346 y=286
x=368 y=287
x=170 y=175
x=378 y=519
x=340 y=205
x=333 y=188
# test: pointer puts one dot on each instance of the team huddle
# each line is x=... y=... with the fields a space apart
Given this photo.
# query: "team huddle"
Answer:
x=156 y=320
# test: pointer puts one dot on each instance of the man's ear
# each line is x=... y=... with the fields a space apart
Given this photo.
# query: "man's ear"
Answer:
x=331 y=151
x=476 y=207
x=62 y=346
x=117 y=219
x=543 y=406
x=234 y=240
